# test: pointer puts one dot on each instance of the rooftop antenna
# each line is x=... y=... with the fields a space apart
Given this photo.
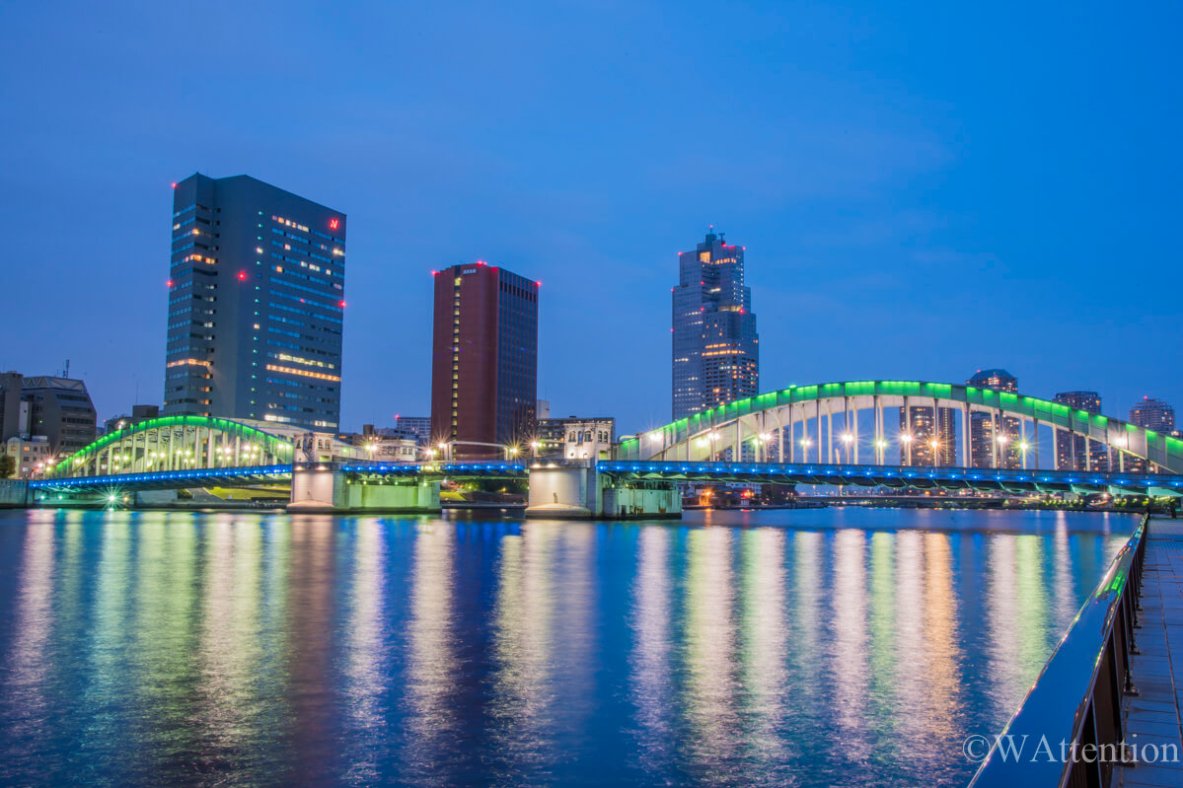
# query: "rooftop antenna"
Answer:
x=66 y=372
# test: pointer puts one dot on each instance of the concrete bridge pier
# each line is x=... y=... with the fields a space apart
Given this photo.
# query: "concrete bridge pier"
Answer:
x=564 y=490
x=641 y=500
x=323 y=487
x=578 y=490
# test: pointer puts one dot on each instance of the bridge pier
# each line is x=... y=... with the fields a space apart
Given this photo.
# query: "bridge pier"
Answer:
x=641 y=499
x=568 y=490
x=324 y=487
x=576 y=490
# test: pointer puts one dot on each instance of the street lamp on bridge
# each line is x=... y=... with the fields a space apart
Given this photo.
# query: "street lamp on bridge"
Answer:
x=847 y=441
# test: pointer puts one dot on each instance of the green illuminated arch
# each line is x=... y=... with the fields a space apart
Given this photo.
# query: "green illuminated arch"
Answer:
x=268 y=448
x=1162 y=450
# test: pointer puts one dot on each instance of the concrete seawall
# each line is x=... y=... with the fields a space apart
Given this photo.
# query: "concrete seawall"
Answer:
x=13 y=493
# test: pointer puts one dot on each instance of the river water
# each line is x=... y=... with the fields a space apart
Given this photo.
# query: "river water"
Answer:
x=849 y=646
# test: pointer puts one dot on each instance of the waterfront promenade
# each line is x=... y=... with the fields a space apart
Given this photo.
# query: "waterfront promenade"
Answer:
x=1153 y=715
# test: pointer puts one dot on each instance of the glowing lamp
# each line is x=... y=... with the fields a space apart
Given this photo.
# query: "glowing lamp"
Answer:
x=242 y=276
x=334 y=224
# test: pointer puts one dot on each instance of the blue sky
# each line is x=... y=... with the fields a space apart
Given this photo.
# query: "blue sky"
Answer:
x=923 y=191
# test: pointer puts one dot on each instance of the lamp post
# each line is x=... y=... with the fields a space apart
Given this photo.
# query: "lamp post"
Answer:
x=847 y=441
x=762 y=441
x=906 y=441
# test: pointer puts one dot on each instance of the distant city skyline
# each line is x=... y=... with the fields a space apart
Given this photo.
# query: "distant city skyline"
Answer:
x=905 y=224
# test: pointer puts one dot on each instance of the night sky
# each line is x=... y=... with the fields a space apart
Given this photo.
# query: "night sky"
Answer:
x=922 y=191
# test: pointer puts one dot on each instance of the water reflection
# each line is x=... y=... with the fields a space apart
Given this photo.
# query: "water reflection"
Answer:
x=709 y=700
x=204 y=648
x=431 y=661
x=764 y=651
x=848 y=666
x=651 y=663
x=367 y=652
x=26 y=701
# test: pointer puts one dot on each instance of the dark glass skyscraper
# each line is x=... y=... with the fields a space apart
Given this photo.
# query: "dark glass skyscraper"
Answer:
x=256 y=299
x=716 y=354
x=484 y=369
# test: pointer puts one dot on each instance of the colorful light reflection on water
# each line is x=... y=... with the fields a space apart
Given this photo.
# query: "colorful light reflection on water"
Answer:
x=858 y=646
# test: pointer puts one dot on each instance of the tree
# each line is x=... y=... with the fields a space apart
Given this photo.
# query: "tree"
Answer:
x=7 y=466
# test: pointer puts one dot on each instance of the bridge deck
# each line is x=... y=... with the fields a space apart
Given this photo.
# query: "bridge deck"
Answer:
x=1154 y=715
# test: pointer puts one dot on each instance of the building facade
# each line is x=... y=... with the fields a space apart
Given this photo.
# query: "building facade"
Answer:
x=383 y=444
x=484 y=371
x=932 y=440
x=575 y=438
x=417 y=426
x=716 y=356
x=1153 y=414
x=1076 y=452
x=994 y=444
x=31 y=457
x=138 y=413
x=60 y=409
x=256 y=304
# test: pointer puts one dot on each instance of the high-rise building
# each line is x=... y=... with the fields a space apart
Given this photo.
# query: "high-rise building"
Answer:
x=994 y=443
x=929 y=443
x=58 y=408
x=716 y=353
x=256 y=300
x=1153 y=414
x=484 y=369
x=1076 y=452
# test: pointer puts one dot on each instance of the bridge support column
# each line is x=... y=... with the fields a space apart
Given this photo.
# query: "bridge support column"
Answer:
x=317 y=487
x=322 y=487
x=641 y=500
x=567 y=490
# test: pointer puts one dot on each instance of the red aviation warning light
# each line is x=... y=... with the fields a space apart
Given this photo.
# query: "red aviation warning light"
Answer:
x=334 y=223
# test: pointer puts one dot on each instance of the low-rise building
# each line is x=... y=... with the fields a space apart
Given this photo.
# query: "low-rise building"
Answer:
x=575 y=438
x=31 y=457
x=417 y=427
x=138 y=413
x=383 y=444
x=57 y=408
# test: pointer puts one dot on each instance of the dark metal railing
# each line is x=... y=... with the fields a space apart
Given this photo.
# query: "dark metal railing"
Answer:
x=1091 y=668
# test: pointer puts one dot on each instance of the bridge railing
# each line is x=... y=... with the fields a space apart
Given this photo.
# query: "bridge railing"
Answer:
x=1094 y=677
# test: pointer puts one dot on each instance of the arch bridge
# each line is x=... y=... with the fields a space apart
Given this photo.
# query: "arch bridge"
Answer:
x=869 y=433
x=909 y=423
x=175 y=444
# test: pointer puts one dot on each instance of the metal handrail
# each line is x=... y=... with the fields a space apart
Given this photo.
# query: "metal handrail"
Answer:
x=1097 y=675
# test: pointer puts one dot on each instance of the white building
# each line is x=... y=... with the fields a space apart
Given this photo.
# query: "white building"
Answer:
x=576 y=438
x=30 y=455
